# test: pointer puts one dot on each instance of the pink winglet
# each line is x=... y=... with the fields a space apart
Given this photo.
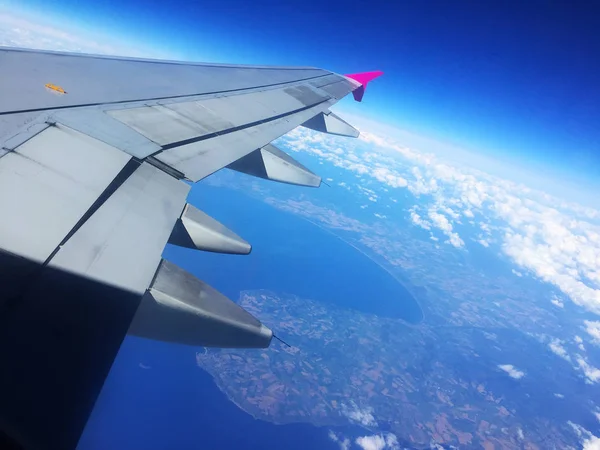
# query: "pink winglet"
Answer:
x=363 y=79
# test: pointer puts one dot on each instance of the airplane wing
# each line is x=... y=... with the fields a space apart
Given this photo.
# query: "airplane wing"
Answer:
x=97 y=156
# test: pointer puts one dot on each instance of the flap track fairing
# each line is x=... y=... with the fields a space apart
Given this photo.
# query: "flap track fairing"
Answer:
x=273 y=164
x=197 y=230
x=180 y=308
x=331 y=124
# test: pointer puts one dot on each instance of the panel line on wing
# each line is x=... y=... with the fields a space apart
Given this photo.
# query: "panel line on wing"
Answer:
x=52 y=108
x=238 y=128
x=121 y=177
x=165 y=167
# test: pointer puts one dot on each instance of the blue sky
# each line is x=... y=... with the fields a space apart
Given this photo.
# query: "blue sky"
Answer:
x=520 y=82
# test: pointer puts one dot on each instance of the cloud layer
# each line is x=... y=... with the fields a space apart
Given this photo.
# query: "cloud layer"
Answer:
x=19 y=31
x=554 y=240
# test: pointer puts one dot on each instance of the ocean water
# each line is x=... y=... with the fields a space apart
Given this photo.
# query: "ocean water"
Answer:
x=292 y=255
x=157 y=398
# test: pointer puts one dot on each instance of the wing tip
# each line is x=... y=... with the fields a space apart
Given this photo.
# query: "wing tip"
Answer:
x=363 y=78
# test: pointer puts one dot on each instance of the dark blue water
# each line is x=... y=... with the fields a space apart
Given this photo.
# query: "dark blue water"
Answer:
x=174 y=404
x=292 y=255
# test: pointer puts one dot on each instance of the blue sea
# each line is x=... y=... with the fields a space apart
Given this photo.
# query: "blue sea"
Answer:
x=292 y=255
x=157 y=398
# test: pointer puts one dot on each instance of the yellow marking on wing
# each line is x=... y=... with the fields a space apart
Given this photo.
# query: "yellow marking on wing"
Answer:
x=55 y=88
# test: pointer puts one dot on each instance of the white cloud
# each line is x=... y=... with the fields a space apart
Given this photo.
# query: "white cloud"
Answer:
x=362 y=416
x=449 y=211
x=556 y=302
x=593 y=329
x=344 y=443
x=380 y=216
x=558 y=349
x=455 y=240
x=559 y=395
x=378 y=442
x=420 y=186
x=418 y=220
x=591 y=373
x=579 y=342
x=375 y=442
x=484 y=242
x=367 y=191
x=512 y=371
x=556 y=254
x=440 y=221
x=16 y=30
x=391 y=440
x=591 y=443
x=387 y=441
x=587 y=439
x=517 y=273
x=388 y=177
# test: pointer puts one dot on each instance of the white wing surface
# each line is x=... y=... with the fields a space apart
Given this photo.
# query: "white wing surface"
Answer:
x=96 y=156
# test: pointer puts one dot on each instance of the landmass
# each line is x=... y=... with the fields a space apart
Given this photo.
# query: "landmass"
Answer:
x=426 y=384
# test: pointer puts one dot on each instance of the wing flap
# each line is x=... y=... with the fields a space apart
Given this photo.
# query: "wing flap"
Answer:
x=121 y=243
x=47 y=184
x=199 y=159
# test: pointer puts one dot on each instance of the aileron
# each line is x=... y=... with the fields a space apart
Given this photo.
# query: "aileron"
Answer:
x=121 y=243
